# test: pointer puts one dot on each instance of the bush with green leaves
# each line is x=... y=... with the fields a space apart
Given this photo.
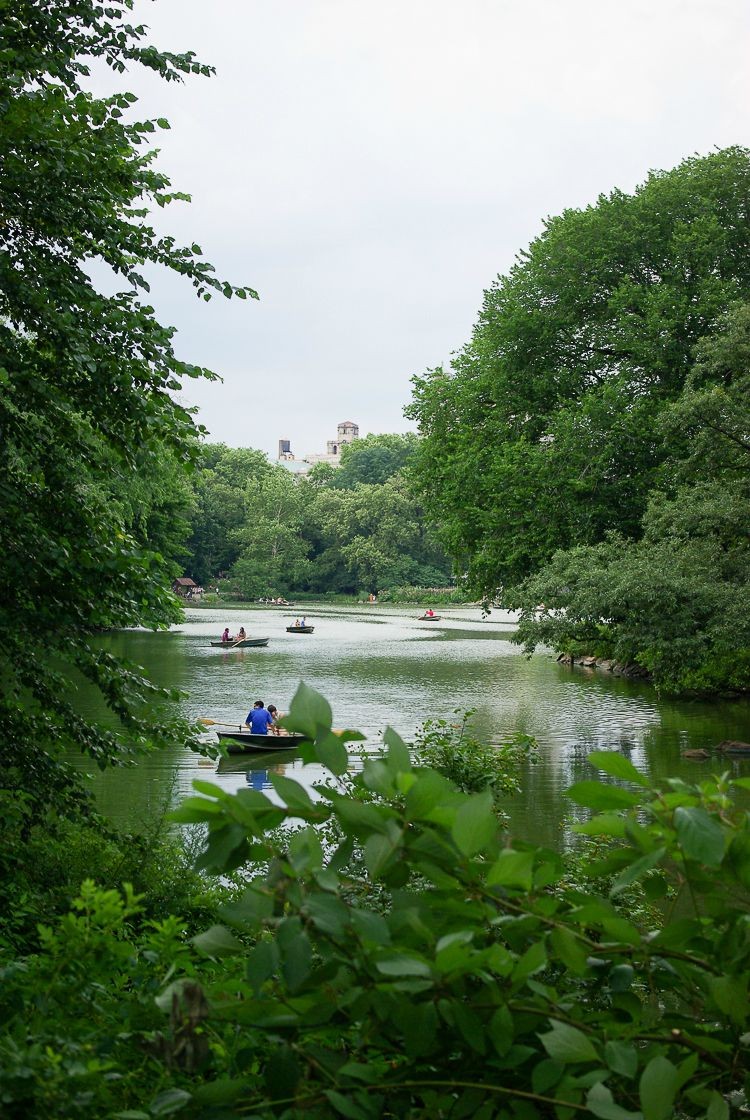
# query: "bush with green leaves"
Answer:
x=473 y=765
x=484 y=991
x=492 y=985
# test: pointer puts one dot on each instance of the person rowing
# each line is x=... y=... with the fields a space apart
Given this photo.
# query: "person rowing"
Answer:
x=259 y=719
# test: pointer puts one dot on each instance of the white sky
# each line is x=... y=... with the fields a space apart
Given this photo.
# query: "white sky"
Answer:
x=370 y=168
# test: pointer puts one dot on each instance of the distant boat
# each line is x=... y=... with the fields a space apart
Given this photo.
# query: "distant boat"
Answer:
x=732 y=746
x=428 y=618
x=246 y=643
x=300 y=629
x=246 y=742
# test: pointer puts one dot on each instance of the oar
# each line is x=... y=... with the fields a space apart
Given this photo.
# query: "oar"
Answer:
x=217 y=722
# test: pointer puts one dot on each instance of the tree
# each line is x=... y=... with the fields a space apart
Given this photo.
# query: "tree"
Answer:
x=675 y=601
x=374 y=459
x=544 y=434
x=272 y=551
x=86 y=381
x=381 y=535
x=221 y=480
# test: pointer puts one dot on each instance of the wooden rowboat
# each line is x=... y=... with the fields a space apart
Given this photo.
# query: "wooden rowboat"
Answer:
x=733 y=746
x=300 y=629
x=246 y=742
x=428 y=618
x=246 y=643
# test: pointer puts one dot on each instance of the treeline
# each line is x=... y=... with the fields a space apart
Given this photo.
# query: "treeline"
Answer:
x=389 y=951
x=356 y=528
x=588 y=450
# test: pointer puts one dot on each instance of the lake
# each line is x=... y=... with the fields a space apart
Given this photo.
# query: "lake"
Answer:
x=380 y=666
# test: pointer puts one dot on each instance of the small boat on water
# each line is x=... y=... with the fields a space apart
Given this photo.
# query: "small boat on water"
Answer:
x=242 y=741
x=733 y=746
x=428 y=618
x=246 y=643
x=300 y=629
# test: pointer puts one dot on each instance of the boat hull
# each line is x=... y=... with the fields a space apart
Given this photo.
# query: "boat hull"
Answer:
x=245 y=742
x=428 y=618
x=300 y=629
x=246 y=643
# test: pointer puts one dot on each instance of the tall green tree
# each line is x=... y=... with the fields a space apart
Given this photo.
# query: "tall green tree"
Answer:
x=374 y=459
x=381 y=536
x=86 y=379
x=675 y=600
x=544 y=434
x=220 y=509
x=272 y=552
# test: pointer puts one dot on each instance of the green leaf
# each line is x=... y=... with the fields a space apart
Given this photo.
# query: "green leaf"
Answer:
x=512 y=869
x=250 y=909
x=347 y=1106
x=210 y=789
x=309 y=712
x=331 y=753
x=399 y=760
x=618 y=766
x=475 y=824
x=294 y=796
x=306 y=851
x=600 y=1102
x=621 y=1057
x=169 y=1102
x=327 y=913
x=567 y=1044
x=700 y=835
x=262 y=962
x=379 y=851
x=598 y=795
x=658 y=1088
x=730 y=994
x=217 y=941
x=569 y=949
x=718 y=1109
x=636 y=869
x=399 y=964
x=225 y=1090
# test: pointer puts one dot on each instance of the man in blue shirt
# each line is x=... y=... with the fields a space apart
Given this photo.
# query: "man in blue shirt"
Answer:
x=259 y=720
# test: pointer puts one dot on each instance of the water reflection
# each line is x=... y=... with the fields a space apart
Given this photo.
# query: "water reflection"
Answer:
x=378 y=667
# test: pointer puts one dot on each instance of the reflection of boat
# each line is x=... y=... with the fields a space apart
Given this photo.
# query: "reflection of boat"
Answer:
x=428 y=618
x=252 y=761
x=245 y=742
x=246 y=643
x=300 y=629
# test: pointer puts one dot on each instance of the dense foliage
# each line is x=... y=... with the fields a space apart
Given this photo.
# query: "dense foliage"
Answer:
x=94 y=446
x=352 y=529
x=577 y=411
x=418 y=964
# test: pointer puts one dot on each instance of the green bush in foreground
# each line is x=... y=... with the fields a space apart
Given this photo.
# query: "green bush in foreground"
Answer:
x=493 y=985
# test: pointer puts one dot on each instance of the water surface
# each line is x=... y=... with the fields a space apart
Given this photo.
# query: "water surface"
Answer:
x=380 y=666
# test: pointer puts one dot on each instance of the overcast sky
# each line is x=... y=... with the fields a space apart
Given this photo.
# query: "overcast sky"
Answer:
x=370 y=168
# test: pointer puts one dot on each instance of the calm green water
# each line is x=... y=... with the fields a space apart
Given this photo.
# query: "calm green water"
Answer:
x=379 y=666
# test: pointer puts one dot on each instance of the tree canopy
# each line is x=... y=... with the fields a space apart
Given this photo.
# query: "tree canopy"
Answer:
x=543 y=433
x=602 y=374
x=87 y=410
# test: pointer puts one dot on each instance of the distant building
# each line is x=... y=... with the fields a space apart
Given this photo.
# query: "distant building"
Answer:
x=346 y=432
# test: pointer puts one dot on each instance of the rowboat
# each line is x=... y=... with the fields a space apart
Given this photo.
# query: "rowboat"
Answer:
x=246 y=742
x=300 y=629
x=428 y=618
x=733 y=746
x=246 y=643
